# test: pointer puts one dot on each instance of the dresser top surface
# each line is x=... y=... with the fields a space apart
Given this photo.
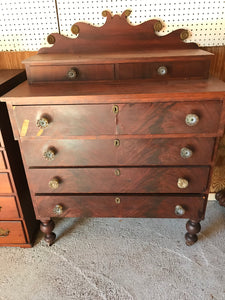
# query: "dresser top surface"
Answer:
x=115 y=91
x=132 y=56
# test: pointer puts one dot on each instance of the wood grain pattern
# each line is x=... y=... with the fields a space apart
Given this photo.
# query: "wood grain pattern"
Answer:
x=145 y=118
x=130 y=206
x=129 y=152
x=129 y=180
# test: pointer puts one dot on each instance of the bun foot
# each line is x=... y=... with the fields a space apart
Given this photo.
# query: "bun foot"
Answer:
x=220 y=197
x=50 y=238
x=192 y=227
x=47 y=228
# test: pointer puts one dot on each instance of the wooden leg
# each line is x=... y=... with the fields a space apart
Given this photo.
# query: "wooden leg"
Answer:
x=47 y=227
x=193 y=227
x=220 y=197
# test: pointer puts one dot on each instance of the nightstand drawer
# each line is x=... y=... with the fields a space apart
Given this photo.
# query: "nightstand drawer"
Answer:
x=2 y=161
x=117 y=152
x=8 y=208
x=169 y=117
x=11 y=232
x=120 y=180
x=131 y=206
x=164 y=69
x=70 y=72
x=5 y=185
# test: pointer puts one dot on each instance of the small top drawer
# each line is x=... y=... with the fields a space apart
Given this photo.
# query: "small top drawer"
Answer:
x=164 y=69
x=70 y=72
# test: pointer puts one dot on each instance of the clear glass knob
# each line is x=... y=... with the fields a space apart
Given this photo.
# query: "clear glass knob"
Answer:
x=179 y=210
x=49 y=154
x=182 y=183
x=58 y=210
x=72 y=73
x=186 y=152
x=42 y=123
x=162 y=70
x=191 y=119
x=53 y=183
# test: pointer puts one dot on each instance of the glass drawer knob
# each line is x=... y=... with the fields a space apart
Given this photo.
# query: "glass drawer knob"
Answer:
x=162 y=70
x=179 y=210
x=58 y=210
x=72 y=73
x=49 y=155
x=182 y=183
x=186 y=152
x=53 y=183
x=191 y=119
x=42 y=123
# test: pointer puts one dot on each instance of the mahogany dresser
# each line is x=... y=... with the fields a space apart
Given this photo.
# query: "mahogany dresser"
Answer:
x=119 y=122
x=17 y=219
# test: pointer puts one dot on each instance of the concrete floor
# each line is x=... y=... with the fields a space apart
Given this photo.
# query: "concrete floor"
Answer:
x=120 y=259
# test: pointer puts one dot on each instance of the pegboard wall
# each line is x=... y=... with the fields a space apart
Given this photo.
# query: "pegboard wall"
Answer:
x=25 y=24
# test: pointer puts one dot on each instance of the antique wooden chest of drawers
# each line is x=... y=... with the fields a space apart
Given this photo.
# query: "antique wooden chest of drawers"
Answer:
x=121 y=128
x=17 y=219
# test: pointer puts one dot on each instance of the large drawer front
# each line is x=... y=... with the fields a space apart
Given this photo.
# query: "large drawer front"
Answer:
x=8 y=208
x=5 y=185
x=71 y=72
x=168 y=117
x=150 y=206
x=173 y=69
x=11 y=232
x=66 y=120
x=119 y=180
x=117 y=152
x=107 y=119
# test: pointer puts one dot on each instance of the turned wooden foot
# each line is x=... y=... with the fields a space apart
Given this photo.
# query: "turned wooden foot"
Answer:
x=47 y=227
x=220 y=197
x=193 y=227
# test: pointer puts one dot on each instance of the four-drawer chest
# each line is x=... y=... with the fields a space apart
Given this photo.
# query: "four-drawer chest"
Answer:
x=118 y=122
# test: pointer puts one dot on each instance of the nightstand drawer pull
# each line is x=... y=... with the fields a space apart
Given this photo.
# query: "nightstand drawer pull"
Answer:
x=162 y=70
x=182 y=183
x=4 y=232
x=49 y=154
x=186 y=152
x=54 y=183
x=58 y=209
x=115 y=109
x=42 y=123
x=117 y=172
x=117 y=200
x=191 y=119
x=72 y=73
x=179 y=210
x=116 y=143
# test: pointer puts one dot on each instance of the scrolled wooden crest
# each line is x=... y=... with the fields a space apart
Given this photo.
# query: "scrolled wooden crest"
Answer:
x=117 y=35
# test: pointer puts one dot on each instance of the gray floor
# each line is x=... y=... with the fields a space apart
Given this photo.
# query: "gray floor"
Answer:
x=120 y=259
